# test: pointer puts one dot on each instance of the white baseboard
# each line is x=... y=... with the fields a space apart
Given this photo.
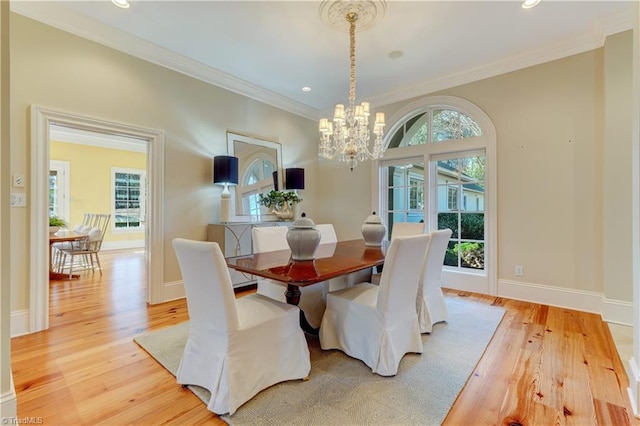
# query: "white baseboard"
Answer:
x=553 y=296
x=474 y=283
x=633 y=390
x=9 y=404
x=616 y=311
x=20 y=323
x=121 y=245
x=173 y=291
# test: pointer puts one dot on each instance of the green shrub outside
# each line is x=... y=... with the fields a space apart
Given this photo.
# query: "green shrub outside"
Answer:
x=472 y=224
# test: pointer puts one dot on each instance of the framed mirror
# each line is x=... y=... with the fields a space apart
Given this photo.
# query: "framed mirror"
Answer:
x=258 y=159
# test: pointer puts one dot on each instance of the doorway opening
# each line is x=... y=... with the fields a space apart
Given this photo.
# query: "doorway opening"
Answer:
x=42 y=120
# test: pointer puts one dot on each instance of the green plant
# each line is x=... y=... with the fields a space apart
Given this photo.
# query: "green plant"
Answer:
x=278 y=198
x=57 y=221
x=472 y=254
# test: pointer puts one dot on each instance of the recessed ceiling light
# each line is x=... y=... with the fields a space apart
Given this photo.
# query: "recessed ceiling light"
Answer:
x=306 y=89
x=528 y=4
x=396 y=54
x=121 y=3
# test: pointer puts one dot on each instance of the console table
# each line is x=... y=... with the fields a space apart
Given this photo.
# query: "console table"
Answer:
x=234 y=239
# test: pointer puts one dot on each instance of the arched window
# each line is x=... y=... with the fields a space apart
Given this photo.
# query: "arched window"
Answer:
x=257 y=179
x=439 y=168
x=437 y=124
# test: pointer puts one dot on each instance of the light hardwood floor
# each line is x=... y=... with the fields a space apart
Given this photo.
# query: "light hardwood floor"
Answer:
x=543 y=366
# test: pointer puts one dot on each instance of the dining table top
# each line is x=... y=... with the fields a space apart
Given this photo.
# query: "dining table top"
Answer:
x=331 y=260
x=65 y=235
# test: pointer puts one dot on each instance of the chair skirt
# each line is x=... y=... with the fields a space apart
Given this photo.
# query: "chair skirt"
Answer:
x=432 y=309
x=353 y=324
x=234 y=366
x=312 y=299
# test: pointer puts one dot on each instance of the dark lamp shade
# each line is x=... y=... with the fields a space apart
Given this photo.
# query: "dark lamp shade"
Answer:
x=225 y=170
x=294 y=178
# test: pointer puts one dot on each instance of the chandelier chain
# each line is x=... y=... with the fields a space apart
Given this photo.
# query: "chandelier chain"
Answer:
x=352 y=18
x=347 y=136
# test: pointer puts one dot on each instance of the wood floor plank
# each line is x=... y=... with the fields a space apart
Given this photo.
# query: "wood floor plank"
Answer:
x=544 y=365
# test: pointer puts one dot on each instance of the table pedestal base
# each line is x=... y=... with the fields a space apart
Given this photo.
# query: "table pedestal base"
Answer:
x=293 y=298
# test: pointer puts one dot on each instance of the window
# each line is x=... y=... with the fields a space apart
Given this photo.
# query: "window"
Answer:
x=128 y=206
x=461 y=175
x=59 y=189
x=453 y=143
x=445 y=124
x=452 y=198
x=405 y=192
x=257 y=180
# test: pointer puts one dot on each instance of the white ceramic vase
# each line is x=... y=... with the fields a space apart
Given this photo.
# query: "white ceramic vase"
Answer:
x=373 y=231
x=303 y=238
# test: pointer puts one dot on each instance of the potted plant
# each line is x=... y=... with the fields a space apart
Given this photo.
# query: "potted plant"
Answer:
x=55 y=223
x=281 y=203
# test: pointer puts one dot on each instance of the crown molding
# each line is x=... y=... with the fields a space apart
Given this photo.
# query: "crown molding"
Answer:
x=584 y=42
x=98 y=32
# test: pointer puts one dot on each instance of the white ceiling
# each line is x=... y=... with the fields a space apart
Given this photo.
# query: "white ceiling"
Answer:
x=268 y=50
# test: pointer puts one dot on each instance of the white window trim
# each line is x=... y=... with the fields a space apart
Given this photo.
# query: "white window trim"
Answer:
x=143 y=201
x=487 y=142
x=64 y=168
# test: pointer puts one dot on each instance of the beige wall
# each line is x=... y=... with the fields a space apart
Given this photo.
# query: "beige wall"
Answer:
x=616 y=158
x=90 y=185
x=57 y=70
x=7 y=395
x=550 y=125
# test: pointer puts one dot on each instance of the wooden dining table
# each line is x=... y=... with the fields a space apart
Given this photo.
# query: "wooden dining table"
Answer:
x=331 y=261
x=59 y=237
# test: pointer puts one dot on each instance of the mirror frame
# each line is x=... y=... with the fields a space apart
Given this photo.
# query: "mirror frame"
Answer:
x=232 y=137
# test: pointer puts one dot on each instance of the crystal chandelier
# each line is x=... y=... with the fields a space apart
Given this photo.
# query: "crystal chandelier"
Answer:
x=347 y=137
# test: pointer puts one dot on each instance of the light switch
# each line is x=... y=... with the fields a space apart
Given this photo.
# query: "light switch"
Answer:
x=18 y=199
x=18 y=181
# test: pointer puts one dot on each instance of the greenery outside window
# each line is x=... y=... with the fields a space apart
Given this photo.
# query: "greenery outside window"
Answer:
x=456 y=176
x=445 y=124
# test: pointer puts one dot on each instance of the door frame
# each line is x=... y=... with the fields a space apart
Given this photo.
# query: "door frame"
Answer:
x=41 y=120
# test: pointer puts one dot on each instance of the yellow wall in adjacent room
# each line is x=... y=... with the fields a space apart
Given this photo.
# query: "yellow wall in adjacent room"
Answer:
x=90 y=181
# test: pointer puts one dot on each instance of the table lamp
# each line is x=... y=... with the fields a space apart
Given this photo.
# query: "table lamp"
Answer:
x=225 y=172
x=294 y=178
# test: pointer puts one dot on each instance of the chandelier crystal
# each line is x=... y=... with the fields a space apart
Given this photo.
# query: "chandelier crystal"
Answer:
x=347 y=136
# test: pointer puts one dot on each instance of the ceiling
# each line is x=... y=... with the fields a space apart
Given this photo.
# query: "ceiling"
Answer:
x=268 y=50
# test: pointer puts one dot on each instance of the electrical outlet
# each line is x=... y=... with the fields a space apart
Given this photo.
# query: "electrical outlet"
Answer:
x=518 y=271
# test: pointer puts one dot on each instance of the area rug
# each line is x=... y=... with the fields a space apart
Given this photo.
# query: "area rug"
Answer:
x=343 y=391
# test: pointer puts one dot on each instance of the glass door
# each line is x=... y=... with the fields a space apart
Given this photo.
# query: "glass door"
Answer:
x=404 y=192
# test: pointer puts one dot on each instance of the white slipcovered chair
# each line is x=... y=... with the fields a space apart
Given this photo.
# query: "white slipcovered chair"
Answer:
x=328 y=236
x=401 y=229
x=431 y=305
x=379 y=324
x=327 y=233
x=236 y=347
x=271 y=238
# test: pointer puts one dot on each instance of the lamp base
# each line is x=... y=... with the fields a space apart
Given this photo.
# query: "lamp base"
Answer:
x=225 y=205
